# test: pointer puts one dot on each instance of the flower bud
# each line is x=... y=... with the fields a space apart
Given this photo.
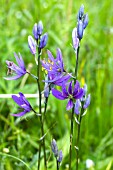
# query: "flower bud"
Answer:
x=81 y=12
x=60 y=156
x=54 y=147
x=75 y=40
x=32 y=45
x=40 y=28
x=80 y=29
x=87 y=102
x=35 y=33
x=43 y=40
x=85 y=21
x=77 y=107
x=46 y=88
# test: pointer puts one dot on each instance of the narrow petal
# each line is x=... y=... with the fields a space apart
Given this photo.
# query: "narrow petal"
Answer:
x=79 y=94
x=19 y=114
x=13 y=77
x=69 y=105
x=17 y=100
x=70 y=88
x=76 y=88
x=64 y=90
x=58 y=94
x=50 y=56
x=22 y=62
x=17 y=59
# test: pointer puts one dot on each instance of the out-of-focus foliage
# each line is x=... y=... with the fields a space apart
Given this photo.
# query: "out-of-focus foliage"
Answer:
x=20 y=136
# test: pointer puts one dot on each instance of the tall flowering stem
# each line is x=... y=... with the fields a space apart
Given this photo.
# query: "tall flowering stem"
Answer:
x=41 y=41
x=40 y=112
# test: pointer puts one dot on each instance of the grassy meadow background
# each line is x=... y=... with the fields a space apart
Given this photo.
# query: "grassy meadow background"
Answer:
x=19 y=136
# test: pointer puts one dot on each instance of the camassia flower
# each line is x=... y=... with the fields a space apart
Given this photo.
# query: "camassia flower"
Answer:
x=23 y=103
x=54 y=67
x=71 y=94
x=19 y=70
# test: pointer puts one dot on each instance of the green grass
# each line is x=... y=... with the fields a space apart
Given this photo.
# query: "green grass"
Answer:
x=21 y=136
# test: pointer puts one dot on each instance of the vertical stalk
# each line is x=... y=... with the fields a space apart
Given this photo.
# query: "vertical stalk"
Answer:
x=76 y=68
x=78 y=136
x=40 y=112
x=71 y=138
x=72 y=114
x=57 y=164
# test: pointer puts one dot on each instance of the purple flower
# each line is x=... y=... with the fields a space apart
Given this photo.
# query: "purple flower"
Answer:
x=75 y=40
x=32 y=44
x=37 y=30
x=19 y=70
x=71 y=93
x=43 y=40
x=23 y=103
x=60 y=156
x=54 y=147
x=54 y=66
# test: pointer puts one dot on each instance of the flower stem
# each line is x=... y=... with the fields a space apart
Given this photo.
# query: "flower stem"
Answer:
x=76 y=68
x=57 y=164
x=71 y=138
x=40 y=112
x=78 y=136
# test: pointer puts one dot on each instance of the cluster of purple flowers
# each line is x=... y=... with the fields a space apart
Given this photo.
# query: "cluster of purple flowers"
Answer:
x=54 y=67
x=77 y=33
x=39 y=39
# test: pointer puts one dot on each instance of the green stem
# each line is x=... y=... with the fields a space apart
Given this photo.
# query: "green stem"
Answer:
x=76 y=68
x=71 y=138
x=78 y=136
x=40 y=112
x=57 y=164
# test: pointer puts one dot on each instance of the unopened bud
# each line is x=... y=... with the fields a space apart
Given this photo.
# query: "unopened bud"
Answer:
x=43 y=40
x=80 y=29
x=32 y=45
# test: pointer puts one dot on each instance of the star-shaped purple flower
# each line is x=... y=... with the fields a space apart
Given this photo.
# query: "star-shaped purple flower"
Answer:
x=54 y=66
x=19 y=70
x=71 y=94
x=55 y=69
x=23 y=103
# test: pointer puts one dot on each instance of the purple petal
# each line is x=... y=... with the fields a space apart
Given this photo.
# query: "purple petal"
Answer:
x=58 y=94
x=50 y=56
x=17 y=100
x=76 y=88
x=79 y=94
x=69 y=104
x=70 y=88
x=19 y=114
x=64 y=90
x=22 y=62
x=13 y=77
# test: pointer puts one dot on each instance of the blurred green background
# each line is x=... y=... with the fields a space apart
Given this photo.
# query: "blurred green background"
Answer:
x=19 y=136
